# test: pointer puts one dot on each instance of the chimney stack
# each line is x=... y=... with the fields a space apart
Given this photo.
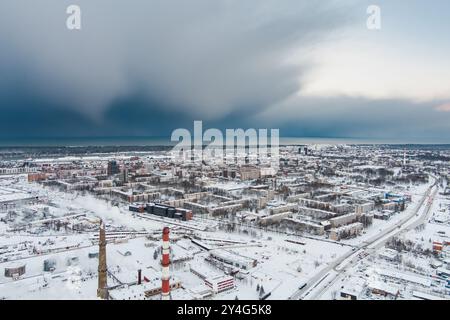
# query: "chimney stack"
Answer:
x=139 y=276
x=165 y=289
x=102 y=290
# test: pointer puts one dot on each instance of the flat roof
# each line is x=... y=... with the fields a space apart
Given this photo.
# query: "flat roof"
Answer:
x=426 y=296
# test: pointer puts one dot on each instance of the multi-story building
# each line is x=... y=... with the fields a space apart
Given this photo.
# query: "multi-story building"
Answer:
x=113 y=168
x=220 y=283
x=249 y=172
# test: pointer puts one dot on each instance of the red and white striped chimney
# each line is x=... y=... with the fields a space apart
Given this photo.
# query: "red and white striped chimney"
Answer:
x=165 y=292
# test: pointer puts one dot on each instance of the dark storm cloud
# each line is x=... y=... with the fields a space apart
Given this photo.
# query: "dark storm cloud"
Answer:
x=30 y=116
x=148 y=67
x=206 y=58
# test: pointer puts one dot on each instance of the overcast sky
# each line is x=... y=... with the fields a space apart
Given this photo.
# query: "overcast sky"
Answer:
x=309 y=68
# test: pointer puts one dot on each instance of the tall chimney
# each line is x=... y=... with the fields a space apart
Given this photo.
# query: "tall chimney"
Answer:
x=102 y=290
x=165 y=289
x=139 y=276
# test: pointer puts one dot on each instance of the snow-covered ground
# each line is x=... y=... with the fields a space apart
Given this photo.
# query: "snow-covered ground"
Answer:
x=282 y=266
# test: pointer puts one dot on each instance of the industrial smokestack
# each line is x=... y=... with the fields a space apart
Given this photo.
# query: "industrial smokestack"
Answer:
x=165 y=289
x=102 y=290
x=139 y=276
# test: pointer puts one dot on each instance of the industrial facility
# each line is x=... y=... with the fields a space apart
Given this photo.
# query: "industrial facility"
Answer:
x=126 y=226
x=162 y=210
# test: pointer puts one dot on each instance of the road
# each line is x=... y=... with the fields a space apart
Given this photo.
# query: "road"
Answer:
x=332 y=272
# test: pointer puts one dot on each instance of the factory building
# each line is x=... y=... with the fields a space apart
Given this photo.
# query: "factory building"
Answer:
x=144 y=291
x=12 y=199
x=233 y=259
x=162 y=210
x=220 y=283
x=155 y=288
x=15 y=270
x=214 y=281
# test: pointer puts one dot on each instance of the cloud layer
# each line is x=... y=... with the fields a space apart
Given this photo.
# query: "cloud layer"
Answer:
x=208 y=57
x=148 y=67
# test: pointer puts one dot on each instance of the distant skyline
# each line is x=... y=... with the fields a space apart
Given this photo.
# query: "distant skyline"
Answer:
x=136 y=141
x=311 y=69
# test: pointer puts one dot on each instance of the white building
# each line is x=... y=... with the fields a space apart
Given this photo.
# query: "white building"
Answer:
x=220 y=283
